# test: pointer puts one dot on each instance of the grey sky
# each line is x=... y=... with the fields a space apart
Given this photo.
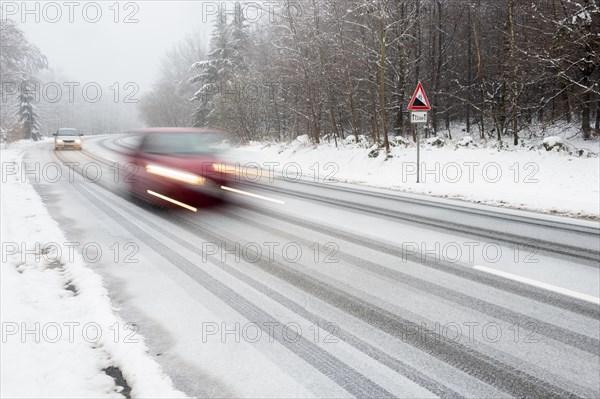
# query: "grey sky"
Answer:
x=107 y=51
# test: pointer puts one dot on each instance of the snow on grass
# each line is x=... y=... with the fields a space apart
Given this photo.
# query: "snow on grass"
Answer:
x=59 y=330
x=527 y=177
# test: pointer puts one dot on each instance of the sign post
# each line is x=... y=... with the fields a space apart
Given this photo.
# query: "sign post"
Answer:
x=418 y=105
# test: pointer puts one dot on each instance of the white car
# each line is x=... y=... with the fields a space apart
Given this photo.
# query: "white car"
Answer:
x=67 y=138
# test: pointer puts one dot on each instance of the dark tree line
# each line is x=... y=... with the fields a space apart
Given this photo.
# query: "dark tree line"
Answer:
x=334 y=68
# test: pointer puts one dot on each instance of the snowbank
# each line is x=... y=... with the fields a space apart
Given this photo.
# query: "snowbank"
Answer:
x=59 y=331
x=527 y=177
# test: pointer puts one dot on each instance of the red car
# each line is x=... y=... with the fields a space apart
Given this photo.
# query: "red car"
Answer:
x=178 y=167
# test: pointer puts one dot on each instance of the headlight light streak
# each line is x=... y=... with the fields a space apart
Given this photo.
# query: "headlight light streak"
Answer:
x=174 y=174
x=236 y=170
x=171 y=200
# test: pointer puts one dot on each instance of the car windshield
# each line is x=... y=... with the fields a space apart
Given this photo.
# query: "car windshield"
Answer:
x=183 y=143
x=67 y=132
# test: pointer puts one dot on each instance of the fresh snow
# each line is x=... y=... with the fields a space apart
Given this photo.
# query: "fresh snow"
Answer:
x=527 y=177
x=52 y=308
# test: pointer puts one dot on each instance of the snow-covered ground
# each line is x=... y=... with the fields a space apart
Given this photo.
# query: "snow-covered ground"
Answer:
x=59 y=330
x=564 y=180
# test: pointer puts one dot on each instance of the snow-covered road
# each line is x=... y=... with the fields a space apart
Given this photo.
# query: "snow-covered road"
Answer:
x=330 y=291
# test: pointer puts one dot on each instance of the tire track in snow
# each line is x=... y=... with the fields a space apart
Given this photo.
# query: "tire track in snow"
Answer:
x=339 y=372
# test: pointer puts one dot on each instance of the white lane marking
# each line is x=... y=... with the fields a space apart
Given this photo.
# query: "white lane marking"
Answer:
x=539 y=284
x=233 y=190
x=171 y=200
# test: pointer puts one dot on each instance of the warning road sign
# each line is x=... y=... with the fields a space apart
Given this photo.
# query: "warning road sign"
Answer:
x=419 y=101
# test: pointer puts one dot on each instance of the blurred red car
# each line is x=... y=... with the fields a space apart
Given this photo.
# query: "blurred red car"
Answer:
x=178 y=167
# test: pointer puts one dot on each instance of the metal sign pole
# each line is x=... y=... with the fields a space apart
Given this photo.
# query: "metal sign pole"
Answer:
x=418 y=118
x=418 y=153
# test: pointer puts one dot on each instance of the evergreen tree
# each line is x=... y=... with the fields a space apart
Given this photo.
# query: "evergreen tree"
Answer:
x=19 y=60
x=214 y=73
x=27 y=112
x=223 y=77
x=238 y=44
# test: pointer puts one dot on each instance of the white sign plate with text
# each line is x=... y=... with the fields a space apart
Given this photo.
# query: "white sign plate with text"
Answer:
x=418 y=117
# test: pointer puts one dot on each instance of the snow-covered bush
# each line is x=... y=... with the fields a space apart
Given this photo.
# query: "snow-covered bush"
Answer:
x=374 y=151
x=399 y=140
x=435 y=141
x=466 y=141
x=352 y=140
x=303 y=139
x=349 y=140
x=553 y=143
x=584 y=153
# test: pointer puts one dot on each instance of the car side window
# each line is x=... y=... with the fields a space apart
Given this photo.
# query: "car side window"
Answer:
x=143 y=146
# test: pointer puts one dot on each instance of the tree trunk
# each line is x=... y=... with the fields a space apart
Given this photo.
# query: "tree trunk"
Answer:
x=597 y=125
x=386 y=142
x=315 y=128
x=479 y=69
x=353 y=118
x=438 y=72
x=325 y=74
x=374 y=124
x=514 y=85
x=469 y=71
x=585 y=117
x=566 y=102
x=403 y=76
x=418 y=41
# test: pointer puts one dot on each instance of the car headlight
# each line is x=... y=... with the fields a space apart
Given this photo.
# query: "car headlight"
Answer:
x=59 y=141
x=175 y=174
x=77 y=141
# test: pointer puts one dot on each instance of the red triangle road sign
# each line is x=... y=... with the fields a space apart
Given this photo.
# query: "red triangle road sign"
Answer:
x=419 y=101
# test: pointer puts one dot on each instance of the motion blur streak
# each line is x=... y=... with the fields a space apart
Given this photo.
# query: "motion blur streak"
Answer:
x=171 y=200
x=224 y=168
x=233 y=190
x=236 y=170
x=175 y=174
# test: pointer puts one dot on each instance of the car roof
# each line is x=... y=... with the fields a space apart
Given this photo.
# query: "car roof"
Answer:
x=178 y=130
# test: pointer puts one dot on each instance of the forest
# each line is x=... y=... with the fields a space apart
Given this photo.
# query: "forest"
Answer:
x=330 y=69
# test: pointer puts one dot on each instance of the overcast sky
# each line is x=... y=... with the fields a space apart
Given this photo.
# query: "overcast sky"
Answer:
x=107 y=51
